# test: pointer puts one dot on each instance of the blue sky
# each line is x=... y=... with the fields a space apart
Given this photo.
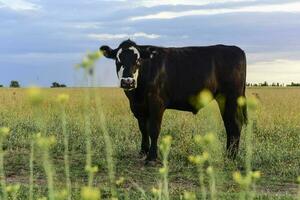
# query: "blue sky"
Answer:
x=42 y=40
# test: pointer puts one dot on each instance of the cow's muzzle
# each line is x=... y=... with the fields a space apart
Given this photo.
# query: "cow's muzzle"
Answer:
x=128 y=83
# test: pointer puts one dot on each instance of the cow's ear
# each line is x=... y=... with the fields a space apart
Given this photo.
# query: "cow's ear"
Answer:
x=148 y=53
x=108 y=52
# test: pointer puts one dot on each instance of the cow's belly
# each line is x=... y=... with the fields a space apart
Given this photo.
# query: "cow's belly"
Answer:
x=183 y=107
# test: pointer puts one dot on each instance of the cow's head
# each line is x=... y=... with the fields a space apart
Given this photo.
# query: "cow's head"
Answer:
x=128 y=57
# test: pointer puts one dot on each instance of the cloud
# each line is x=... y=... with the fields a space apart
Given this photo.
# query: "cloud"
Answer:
x=270 y=56
x=287 y=7
x=19 y=5
x=123 y=36
x=283 y=71
x=85 y=25
x=153 y=3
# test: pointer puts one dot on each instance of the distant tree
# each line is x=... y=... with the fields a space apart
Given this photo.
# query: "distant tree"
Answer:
x=293 y=84
x=57 y=85
x=1 y=86
x=264 y=84
x=296 y=84
x=14 y=84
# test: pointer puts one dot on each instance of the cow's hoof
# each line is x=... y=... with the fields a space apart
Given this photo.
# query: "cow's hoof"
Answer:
x=142 y=156
x=152 y=163
x=241 y=168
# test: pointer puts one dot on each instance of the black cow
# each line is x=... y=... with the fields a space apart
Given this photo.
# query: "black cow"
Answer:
x=157 y=78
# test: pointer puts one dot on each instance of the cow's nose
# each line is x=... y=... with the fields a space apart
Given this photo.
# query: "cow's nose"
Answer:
x=127 y=83
x=128 y=80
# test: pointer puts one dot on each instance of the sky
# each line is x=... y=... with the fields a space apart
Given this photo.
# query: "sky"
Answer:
x=41 y=41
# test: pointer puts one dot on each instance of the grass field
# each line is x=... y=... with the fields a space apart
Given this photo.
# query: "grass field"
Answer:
x=275 y=145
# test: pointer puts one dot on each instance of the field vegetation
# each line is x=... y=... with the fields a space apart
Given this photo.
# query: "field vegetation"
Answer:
x=84 y=143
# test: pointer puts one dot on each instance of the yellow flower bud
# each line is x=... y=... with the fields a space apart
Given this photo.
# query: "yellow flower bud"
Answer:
x=91 y=169
x=35 y=95
x=237 y=177
x=189 y=195
x=165 y=143
x=63 y=98
x=195 y=159
x=210 y=170
x=241 y=101
x=205 y=156
x=155 y=191
x=52 y=140
x=198 y=139
x=8 y=188
x=205 y=97
x=199 y=160
x=86 y=63
x=209 y=138
x=94 y=55
x=120 y=181
x=45 y=142
x=4 y=131
x=163 y=170
x=256 y=174
x=244 y=182
x=90 y=193
x=13 y=188
x=167 y=139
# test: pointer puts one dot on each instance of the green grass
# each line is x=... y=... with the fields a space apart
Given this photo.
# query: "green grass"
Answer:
x=276 y=139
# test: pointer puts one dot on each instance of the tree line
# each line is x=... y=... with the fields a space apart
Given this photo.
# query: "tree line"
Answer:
x=16 y=84
x=266 y=84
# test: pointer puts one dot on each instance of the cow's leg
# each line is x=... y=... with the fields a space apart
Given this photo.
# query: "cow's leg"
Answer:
x=233 y=122
x=145 y=136
x=153 y=127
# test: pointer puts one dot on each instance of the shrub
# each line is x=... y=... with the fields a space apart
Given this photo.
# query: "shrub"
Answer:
x=14 y=84
x=57 y=85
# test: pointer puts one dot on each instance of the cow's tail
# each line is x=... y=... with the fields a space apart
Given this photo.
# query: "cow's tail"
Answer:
x=244 y=111
x=244 y=108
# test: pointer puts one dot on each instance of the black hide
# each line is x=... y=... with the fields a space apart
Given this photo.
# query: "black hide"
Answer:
x=168 y=79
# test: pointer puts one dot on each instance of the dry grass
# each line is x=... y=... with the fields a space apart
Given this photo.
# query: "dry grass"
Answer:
x=276 y=141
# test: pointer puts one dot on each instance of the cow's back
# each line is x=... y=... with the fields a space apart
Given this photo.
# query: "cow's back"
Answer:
x=189 y=70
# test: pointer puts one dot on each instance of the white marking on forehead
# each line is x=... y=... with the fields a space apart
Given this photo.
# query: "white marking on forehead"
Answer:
x=135 y=51
x=120 y=72
x=118 y=54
